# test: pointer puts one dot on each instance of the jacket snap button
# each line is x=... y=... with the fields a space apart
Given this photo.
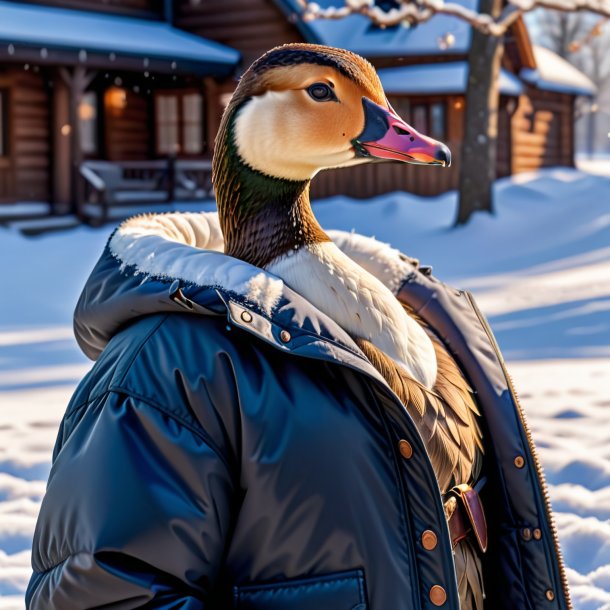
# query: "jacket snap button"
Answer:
x=537 y=534
x=405 y=449
x=285 y=336
x=429 y=540
x=550 y=595
x=519 y=461
x=246 y=316
x=438 y=596
x=526 y=533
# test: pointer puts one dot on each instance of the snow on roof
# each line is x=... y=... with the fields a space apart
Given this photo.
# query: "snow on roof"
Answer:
x=439 y=78
x=554 y=73
x=357 y=34
x=70 y=30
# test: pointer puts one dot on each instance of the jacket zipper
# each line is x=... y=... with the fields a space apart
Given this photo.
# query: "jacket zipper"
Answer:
x=530 y=442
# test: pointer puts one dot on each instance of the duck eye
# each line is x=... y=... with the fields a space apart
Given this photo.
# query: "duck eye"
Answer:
x=321 y=92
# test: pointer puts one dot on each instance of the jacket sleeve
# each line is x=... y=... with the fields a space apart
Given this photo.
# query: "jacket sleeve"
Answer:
x=136 y=512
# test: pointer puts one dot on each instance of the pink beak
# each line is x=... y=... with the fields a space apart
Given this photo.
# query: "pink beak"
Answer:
x=387 y=136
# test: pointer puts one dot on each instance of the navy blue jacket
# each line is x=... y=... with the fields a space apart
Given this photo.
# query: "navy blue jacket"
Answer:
x=233 y=448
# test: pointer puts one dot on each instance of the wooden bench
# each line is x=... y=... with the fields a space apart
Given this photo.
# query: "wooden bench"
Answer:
x=115 y=190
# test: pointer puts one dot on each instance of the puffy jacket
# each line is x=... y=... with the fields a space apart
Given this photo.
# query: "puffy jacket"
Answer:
x=233 y=448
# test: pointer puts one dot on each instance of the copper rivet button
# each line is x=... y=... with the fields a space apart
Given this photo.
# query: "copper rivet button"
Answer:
x=519 y=461
x=537 y=534
x=429 y=540
x=550 y=595
x=246 y=316
x=526 y=533
x=285 y=336
x=405 y=449
x=438 y=595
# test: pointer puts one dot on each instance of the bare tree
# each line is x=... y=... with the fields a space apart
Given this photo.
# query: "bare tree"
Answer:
x=583 y=40
x=558 y=31
x=490 y=23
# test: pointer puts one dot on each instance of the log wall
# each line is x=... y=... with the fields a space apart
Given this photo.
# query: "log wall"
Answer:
x=542 y=131
x=250 y=26
x=25 y=172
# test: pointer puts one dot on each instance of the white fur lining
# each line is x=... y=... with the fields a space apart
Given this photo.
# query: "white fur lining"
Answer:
x=188 y=247
x=174 y=246
x=387 y=264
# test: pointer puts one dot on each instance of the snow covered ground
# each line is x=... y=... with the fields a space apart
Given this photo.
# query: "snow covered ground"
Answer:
x=540 y=269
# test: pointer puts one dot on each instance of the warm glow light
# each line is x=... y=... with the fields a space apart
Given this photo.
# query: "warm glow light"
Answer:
x=446 y=41
x=225 y=98
x=116 y=98
x=458 y=104
x=86 y=111
x=65 y=130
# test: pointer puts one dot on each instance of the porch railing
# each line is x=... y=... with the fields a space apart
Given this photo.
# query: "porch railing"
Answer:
x=111 y=189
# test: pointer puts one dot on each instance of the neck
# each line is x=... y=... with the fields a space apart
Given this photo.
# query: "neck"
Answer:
x=261 y=217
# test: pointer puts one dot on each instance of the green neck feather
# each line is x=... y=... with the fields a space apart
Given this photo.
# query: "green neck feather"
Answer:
x=262 y=217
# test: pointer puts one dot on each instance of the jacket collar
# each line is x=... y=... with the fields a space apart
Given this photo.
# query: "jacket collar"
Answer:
x=167 y=262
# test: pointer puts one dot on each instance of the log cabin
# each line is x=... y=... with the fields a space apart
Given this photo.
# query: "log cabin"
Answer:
x=133 y=81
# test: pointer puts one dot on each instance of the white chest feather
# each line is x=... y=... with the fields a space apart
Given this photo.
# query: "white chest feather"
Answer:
x=360 y=304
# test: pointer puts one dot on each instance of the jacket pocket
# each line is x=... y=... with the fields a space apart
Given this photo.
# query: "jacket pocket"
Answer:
x=336 y=591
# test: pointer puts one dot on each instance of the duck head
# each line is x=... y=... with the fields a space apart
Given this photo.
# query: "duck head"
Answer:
x=304 y=108
x=299 y=109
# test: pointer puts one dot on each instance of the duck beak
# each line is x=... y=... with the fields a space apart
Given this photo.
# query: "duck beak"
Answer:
x=387 y=136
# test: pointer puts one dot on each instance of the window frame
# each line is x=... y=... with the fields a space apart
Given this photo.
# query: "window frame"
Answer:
x=406 y=109
x=98 y=105
x=181 y=121
x=5 y=147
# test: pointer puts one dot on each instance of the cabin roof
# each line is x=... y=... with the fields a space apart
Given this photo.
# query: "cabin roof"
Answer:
x=542 y=68
x=553 y=73
x=441 y=78
x=62 y=32
x=357 y=34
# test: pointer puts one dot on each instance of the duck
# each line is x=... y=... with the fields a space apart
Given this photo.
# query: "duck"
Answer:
x=298 y=110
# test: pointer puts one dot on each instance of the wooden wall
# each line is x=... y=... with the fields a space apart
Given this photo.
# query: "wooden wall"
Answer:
x=135 y=8
x=542 y=131
x=25 y=173
x=504 y=150
x=250 y=26
x=371 y=179
x=128 y=131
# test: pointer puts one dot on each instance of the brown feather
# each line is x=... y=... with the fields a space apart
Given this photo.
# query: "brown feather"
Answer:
x=446 y=418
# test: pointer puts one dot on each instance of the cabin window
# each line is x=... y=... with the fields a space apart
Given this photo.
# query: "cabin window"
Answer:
x=88 y=128
x=430 y=119
x=437 y=120
x=420 y=118
x=3 y=124
x=179 y=122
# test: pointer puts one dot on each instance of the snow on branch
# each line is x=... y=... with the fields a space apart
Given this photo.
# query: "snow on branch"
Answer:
x=410 y=12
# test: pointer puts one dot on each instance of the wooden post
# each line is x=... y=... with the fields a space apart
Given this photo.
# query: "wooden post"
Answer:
x=77 y=80
x=213 y=112
x=60 y=159
x=171 y=177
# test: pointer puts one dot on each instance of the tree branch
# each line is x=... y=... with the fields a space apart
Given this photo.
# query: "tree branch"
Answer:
x=411 y=12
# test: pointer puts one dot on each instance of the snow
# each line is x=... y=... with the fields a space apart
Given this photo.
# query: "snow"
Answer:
x=15 y=210
x=597 y=164
x=554 y=73
x=540 y=268
x=449 y=77
x=62 y=29
x=356 y=33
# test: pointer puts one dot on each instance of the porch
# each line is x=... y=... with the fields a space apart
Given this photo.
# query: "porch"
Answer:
x=78 y=89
